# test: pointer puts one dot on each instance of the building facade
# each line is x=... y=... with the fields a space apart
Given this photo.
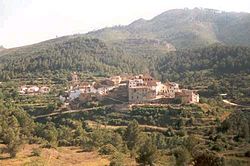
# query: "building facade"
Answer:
x=188 y=96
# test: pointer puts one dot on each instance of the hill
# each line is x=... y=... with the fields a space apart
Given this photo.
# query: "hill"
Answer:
x=183 y=28
x=238 y=124
x=215 y=70
x=70 y=53
x=76 y=53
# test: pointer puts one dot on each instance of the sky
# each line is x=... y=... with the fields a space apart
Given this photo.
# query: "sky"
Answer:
x=24 y=22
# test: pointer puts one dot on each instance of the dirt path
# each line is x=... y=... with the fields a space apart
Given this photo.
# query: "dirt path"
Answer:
x=96 y=125
x=230 y=103
x=69 y=111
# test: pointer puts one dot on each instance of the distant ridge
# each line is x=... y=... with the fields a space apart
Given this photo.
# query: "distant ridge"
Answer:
x=184 y=28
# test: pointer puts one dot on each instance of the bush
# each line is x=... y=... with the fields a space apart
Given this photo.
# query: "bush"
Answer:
x=36 y=152
x=87 y=144
x=247 y=154
x=181 y=133
x=182 y=156
x=148 y=154
x=37 y=140
x=108 y=149
x=117 y=160
x=48 y=145
x=218 y=148
x=207 y=159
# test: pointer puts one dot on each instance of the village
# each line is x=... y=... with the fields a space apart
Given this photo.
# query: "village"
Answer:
x=139 y=89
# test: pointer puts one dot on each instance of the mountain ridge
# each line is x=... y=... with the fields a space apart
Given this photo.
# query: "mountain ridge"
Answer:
x=185 y=28
x=238 y=22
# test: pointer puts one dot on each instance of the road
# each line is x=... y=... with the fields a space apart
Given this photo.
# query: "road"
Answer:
x=230 y=103
x=59 y=112
x=69 y=112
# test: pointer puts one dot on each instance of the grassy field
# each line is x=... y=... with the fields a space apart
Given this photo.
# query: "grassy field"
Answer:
x=62 y=156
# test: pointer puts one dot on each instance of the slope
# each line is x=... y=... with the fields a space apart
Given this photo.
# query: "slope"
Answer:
x=184 y=28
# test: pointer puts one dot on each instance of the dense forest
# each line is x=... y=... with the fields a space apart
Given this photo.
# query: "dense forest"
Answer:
x=93 y=55
x=77 y=54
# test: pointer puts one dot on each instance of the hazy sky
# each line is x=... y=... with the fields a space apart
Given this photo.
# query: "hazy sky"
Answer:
x=25 y=22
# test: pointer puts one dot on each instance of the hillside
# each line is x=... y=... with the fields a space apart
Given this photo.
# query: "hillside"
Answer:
x=75 y=53
x=214 y=70
x=70 y=53
x=238 y=124
x=183 y=28
x=62 y=156
x=224 y=69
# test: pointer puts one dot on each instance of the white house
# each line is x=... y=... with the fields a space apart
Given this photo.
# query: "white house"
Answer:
x=44 y=89
x=33 y=89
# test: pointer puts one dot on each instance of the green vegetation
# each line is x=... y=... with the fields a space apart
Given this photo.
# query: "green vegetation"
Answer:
x=183 y=28
x=73 y=54
x=190 y=134
x=209 y=133
x=213 y=70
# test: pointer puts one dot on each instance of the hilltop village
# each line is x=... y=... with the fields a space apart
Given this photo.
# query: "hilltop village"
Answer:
x=137 y=89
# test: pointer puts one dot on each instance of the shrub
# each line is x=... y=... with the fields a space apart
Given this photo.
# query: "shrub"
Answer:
x=247 y=154
x=117 y=160
x=182 y=155
x=181 y=133
x=148 y=154
x=207 y=159
x=107 y=149
x=36 y=152
x=218 y=147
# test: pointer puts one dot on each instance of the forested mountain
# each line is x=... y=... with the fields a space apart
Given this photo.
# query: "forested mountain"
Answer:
x=139 y=46
x=215 y=59
x=71 y=53
x=74 y=53
x=184 y=28
x=218 y=69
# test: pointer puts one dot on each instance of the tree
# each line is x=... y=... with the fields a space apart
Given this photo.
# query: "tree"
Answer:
x=182 y=156
x=148 y=154
x=50 y=108
x=48 y=132
x=133 y=135
x=11 y=136
x=117 y=141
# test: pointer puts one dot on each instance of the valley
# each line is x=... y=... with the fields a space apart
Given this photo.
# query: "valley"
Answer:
x=172 y=90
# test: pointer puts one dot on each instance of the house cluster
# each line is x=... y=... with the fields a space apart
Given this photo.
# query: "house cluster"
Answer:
x=144 y=88
x=33 y=89
x=140 y=89
x=87 y=90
